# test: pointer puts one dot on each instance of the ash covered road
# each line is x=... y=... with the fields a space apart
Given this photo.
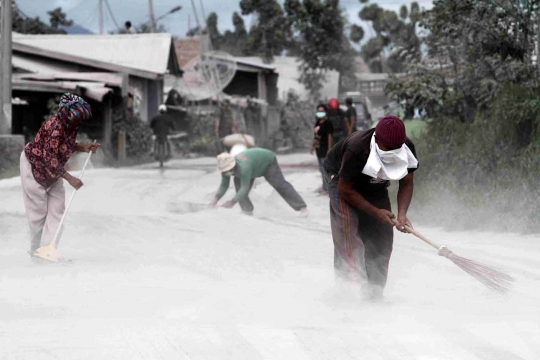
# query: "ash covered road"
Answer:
x=152 y=276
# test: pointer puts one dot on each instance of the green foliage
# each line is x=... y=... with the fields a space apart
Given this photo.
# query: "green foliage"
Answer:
x=203 y=144
x=416 y=128
x=138 y=132
x=311 y=30
x=26 y=25
x=357 y=33
x=480 y=45
x=52 y=106
x=270 y=35
x=9 y=173
x=404 y=12
x=58 y=18
x=483 y=174
x=320 y=27
x=320 y=41
x=396 y=42
x=233 y=42
x=296 y=123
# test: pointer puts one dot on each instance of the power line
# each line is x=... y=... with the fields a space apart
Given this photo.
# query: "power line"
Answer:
x=66 y=11
x=111 y=14
x=18 y=9
x=196 y=15
x=202 y=10
x=89 y=21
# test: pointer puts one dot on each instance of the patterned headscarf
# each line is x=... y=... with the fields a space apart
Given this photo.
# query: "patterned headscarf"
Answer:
x=72 y=107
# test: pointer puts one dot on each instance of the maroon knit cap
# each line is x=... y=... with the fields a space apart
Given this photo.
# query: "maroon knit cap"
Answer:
x=391 y=131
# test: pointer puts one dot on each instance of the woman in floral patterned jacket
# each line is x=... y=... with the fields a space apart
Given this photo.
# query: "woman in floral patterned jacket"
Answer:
x=42 y=168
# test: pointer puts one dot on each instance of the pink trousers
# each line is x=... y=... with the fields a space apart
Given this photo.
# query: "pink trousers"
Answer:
x=44 y=207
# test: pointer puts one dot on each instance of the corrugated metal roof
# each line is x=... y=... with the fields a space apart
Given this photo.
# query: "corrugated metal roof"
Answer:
x=39 y=66
x=253 y=64
x=146 y=52
x=189 y=48
x=108 y=79
x=92 y=90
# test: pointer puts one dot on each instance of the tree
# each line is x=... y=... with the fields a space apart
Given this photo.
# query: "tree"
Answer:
x=395 y=42
x=235 y=42
x=58 y=18
x=357 y=33
x=26 y=25
x=212 y=29
x=478 y=46
x=232 y=42
x=269 y=37
x=319 y=26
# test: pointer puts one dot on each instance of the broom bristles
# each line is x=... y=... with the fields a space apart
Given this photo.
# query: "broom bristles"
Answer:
x=487 y=275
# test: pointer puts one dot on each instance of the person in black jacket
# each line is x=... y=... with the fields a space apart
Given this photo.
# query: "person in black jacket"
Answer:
x=162 y=124
x=338 y=119
x=323 y=140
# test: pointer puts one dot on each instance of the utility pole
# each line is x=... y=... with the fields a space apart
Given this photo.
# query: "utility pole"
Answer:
x=151 y=13
x=100 y=17
x=5 y=111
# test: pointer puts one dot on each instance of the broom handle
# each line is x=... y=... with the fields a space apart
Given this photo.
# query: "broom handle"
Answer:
x=70 y=200
x=420 y=236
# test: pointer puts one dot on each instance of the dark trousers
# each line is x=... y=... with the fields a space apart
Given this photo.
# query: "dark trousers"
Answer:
x=362 y=245
x=321 y=169
x=162 y=140
x=274 y=176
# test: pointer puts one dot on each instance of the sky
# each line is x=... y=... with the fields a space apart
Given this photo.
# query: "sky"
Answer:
x=85 y=12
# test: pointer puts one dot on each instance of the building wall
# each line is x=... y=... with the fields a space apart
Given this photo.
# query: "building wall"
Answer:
x=155 y=97
x=243 y=84
x=139 y=90
x=271 y=88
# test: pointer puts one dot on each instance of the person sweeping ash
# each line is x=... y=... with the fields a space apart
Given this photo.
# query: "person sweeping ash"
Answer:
x=359 y=169
x=245 y=167
x=42 y=168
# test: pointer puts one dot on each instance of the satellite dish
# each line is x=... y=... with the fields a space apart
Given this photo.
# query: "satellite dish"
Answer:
x=206 y=75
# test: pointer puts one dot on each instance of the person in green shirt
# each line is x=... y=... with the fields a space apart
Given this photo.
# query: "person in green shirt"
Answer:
x=245 y=167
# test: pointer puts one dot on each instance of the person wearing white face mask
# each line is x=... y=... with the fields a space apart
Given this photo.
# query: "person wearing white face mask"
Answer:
x=322 y=141
x=359 y=169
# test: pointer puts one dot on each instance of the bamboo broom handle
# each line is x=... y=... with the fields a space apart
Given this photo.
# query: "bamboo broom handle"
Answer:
x=70 y=200
x=420 y=236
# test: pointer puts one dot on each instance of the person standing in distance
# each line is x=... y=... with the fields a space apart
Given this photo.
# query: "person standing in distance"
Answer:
x=350 y=116
x=162 y=124
x=322 y=142
x=225 y=124
x=338 y=119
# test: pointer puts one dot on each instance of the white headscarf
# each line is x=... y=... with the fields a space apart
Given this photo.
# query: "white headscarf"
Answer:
x=389 y=165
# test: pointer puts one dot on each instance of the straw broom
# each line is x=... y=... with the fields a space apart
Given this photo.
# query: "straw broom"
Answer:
x=490 y=277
